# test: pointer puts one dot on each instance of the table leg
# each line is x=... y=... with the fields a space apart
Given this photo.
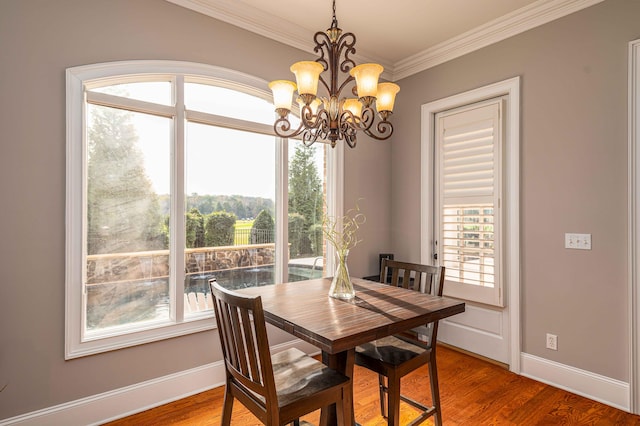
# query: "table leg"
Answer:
x=343 y=362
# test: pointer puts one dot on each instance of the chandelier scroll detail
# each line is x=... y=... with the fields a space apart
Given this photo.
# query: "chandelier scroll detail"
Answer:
x=335 y=117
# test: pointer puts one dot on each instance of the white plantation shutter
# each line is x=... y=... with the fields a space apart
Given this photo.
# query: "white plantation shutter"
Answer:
x=468 y=178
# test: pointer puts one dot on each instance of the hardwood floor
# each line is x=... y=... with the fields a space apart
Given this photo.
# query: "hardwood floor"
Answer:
x=473 y=392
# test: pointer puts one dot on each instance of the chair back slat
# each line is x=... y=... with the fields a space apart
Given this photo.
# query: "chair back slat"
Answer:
x=243 y=336
x=223 y=313
x=251 y=346
x=424 y=278
x=406 y=278
x=427 y=279
x=240 y=361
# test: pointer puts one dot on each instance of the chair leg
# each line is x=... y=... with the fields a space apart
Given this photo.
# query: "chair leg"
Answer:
x=348 y=416
x=435 y=390
x=383 y=398
x=227 y=408
x=341 y=412
x=393 y=401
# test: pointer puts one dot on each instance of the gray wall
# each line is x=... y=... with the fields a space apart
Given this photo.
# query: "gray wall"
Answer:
x=39 y=39
x=573 y=176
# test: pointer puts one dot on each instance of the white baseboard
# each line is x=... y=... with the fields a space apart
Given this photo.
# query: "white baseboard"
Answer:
x=101 y=408
x=590 y=385
x=133 y=399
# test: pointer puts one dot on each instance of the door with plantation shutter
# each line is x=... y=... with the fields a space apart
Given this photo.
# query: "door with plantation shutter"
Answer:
x=468 y=195
x=467 y=232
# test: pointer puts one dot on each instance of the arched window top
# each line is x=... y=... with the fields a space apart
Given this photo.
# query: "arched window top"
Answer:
x=152 y=86
x=217 y=100
x=159 y=92
x=157 y=76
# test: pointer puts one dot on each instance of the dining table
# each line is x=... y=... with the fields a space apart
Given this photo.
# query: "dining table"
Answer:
x=336 y=326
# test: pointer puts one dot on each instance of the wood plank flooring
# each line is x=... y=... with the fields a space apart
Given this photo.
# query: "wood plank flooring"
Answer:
x=473 y=392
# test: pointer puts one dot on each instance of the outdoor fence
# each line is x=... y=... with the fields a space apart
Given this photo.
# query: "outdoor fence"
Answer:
x=253 y=236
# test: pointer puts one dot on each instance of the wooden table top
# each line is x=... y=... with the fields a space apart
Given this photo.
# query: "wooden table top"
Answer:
x=305 y=310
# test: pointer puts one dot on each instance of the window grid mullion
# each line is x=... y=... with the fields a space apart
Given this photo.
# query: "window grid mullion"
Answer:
x=177 y=220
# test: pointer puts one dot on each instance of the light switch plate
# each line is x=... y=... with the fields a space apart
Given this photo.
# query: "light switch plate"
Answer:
x=577 y=241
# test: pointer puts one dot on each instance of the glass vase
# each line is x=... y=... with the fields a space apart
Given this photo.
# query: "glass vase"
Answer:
x=341 y=286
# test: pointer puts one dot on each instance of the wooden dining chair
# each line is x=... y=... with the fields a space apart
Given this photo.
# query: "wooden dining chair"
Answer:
x=395 y=356
x=277 y=389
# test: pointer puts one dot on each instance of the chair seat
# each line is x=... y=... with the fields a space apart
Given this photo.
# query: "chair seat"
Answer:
x=298 y=376
x=391 y=350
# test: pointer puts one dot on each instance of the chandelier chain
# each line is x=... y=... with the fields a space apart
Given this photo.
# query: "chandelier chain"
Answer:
x=334 y=22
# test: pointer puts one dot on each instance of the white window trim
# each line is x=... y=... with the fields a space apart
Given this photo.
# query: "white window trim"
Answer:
x=75 y=345
x=511 y=225
x=634 y=225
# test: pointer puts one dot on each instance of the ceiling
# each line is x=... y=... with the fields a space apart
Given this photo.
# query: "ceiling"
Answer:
x=405 y=36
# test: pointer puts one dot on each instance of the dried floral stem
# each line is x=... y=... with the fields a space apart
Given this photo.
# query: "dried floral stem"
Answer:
x=341 y=232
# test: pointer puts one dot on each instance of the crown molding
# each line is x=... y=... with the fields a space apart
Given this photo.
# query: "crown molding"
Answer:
x=519 y=21
x=276 y=28
x=259 y=22
x=267 y=25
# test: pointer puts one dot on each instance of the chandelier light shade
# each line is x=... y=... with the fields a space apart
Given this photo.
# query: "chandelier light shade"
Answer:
x=335 y=117
x=307 y=75
x=354 y=106
x=386 y=97
x=282 y=93
x=366 y=76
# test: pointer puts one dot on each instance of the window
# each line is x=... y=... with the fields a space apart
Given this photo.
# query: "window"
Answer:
x=174 y=177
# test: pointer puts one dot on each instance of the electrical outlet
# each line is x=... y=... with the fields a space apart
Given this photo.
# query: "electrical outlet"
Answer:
x=552 y=342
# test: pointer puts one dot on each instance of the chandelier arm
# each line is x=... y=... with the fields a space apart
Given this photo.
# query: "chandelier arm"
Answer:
x=381 y=131
x=308 y=138
x=348 y=129
x=346 y=44
x=326 y=131
x=282 y=128
x=323 y=49
x=322 y=40
x=322 y=119
x=316 y=127
x=350 y=125
x=345 y=47
x=308 y=119
x=367 y=118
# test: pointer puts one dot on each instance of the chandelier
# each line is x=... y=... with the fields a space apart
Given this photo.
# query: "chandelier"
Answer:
x=332 y=118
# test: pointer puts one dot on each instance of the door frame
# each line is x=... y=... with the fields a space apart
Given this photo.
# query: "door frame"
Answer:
x=511 y=90
x=634 y=225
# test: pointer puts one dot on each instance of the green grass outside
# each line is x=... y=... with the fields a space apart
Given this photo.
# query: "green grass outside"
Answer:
x=244 y=224
x=241 y=237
